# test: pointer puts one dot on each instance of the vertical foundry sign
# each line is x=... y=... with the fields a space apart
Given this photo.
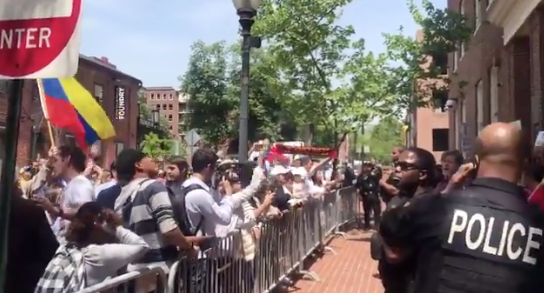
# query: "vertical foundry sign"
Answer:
x=120 y=105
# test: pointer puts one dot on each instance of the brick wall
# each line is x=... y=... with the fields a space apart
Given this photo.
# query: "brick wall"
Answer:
x=484 y=51
x=25 y=126
x=88 y=75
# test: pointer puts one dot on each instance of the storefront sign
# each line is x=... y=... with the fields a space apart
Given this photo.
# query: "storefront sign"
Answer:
x=120 y=106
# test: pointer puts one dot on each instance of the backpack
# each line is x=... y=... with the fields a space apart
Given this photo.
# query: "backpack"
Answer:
x=180 y=213
x=65 y=273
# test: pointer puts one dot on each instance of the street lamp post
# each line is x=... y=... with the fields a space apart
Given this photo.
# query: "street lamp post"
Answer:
x=155 y=117
x=246 y=10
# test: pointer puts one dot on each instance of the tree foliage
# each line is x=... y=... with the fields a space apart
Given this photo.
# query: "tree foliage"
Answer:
x=443 y=32
x=157 y=147
x=213 y=83
x=312 y=72
x=383 y=137
x=308 y=46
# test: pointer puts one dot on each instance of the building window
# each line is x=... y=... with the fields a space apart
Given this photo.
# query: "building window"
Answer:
x=152 y=96
x=170 y=117
x=170 y=107
x=494 y=94
x=164 y=107
x=477 y=14
x=479 y=105
x=440 y=139
x=164 y=97
x=158 y=106
x=99 y=93
x=171 y=97
x=170 y=127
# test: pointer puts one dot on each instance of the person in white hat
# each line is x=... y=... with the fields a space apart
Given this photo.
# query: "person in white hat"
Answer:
x=279 y=175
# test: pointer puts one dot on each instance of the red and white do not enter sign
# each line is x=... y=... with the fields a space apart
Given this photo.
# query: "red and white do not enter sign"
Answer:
x=39 y=38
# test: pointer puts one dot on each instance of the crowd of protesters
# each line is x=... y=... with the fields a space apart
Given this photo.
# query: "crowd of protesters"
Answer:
x=74 y=224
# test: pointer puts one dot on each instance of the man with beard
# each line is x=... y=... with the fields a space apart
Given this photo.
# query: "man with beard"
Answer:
x=388 y=189
x=415 y=173
x=484 y=238
x=177 y=169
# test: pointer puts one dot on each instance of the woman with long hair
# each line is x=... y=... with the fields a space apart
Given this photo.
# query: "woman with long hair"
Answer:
x=97 y=244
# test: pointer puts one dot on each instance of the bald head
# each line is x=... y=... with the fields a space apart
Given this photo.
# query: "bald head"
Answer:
x=500 y=143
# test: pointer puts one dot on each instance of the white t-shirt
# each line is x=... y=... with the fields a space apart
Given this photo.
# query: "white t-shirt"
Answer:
x=78 y=191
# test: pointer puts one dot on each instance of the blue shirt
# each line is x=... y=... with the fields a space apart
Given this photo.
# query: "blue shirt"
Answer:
x=107 y=197
x=104 y=186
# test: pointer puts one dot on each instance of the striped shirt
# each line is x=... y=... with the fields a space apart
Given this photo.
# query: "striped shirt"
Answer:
x=150 y=217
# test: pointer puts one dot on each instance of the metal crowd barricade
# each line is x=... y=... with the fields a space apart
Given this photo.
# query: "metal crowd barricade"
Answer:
x=239 y=263
x=133 y=281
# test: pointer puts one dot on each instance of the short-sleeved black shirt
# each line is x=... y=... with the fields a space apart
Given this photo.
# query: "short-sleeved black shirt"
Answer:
x=455 y=254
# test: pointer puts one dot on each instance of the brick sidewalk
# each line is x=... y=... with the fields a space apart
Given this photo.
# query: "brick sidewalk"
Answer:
x=350 y=271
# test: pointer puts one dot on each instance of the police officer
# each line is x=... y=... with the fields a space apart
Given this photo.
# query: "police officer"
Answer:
x=368 y=184
x=415 y=170
x=484 y=238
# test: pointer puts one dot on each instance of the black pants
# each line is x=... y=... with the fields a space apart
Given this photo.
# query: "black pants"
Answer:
x=371 y=203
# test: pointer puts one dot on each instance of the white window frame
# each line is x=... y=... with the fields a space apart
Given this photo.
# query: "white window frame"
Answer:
x=462 y=11
x=477 y=14
x=480 y=105
x=458 y=125
x=494 y=94
x=455 y=60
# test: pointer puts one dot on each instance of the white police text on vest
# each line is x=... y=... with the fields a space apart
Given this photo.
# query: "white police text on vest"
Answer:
x=477 y=231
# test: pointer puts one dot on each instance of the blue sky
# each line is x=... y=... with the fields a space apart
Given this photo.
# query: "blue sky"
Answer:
x=151 y=39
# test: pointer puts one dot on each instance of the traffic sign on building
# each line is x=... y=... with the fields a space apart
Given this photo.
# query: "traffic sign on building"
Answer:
x=39 y=38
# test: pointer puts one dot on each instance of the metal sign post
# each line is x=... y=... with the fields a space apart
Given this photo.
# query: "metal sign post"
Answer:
x=42 y=40
x=8 y=170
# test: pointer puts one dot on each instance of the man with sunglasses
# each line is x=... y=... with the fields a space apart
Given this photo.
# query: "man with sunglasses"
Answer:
x=416 y=178
x=483 y=238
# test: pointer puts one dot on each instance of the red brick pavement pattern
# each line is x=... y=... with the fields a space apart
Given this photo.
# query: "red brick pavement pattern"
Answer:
x=350 y=271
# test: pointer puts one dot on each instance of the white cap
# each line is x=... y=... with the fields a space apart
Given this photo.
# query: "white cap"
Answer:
x=279 y=169
x=300 y=171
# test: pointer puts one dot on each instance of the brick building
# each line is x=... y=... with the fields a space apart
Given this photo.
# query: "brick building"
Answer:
x=428 y=127
x=172 y=106
x=115 y=90
x=502 y=63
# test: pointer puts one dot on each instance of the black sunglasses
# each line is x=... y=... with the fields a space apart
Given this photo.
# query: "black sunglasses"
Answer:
x=404 y=166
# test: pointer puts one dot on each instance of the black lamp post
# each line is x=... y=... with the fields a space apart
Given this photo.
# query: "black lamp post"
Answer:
x=155 y=118
x=246 y=10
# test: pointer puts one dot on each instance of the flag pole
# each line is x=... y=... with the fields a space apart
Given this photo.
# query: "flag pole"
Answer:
x=41 y=93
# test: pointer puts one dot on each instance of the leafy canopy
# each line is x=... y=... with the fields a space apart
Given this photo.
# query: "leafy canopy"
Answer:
x=412 y=61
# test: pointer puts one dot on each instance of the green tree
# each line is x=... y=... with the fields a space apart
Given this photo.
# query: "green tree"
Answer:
x=213 y=82
x=444 y=31
x=307 y=45
x=206 y=82
x=383 y=137
x=157 y=147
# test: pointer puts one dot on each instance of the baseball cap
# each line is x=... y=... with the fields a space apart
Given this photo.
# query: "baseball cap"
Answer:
x=279 y=170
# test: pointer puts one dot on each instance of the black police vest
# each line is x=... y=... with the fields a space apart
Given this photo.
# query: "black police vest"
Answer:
x=490 y=243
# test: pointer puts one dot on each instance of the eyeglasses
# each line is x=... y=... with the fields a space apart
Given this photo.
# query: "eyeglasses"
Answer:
x=404 y=166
